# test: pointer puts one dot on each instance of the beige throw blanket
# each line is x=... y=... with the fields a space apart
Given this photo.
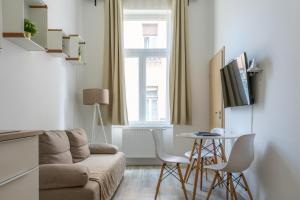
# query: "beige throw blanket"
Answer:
x=107 y=171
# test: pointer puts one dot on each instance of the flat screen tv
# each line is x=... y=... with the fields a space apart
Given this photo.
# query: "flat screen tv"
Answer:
x=236 y=83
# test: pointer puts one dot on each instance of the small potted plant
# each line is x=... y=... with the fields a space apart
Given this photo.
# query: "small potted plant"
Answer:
x=30 y=29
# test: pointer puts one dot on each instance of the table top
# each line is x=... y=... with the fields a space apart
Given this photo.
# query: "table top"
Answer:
x=193 y=136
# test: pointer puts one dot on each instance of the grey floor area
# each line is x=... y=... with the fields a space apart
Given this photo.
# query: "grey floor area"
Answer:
x=139 y=183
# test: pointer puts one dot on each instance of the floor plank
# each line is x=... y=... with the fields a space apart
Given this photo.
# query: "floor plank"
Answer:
x=139 y=183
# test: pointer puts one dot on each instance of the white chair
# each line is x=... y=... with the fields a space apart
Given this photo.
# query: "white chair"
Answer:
x=168 y=162
x=207 y=156
x=240 y=159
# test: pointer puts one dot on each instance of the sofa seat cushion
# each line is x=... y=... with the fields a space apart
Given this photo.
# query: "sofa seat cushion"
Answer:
x=107 y=170
x=79 y=146
x=54 y=148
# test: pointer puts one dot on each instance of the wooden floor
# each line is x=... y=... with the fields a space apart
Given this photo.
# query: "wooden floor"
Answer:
x=139 y=184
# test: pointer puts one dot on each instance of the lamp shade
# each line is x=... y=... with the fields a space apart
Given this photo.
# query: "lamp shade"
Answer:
x=94 y=95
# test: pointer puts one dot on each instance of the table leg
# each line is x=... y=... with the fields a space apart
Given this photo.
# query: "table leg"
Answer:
x=188 y=168
x=197 y=169
x=215 y=152
x=223 y=153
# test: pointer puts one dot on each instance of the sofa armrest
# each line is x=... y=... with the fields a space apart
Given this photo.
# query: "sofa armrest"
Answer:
x=54 y=176
x=103 y=149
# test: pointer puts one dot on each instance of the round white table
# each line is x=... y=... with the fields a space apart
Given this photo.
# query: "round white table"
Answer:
x=199 y=142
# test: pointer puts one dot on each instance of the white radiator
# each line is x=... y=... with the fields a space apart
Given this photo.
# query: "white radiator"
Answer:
x=138 y=142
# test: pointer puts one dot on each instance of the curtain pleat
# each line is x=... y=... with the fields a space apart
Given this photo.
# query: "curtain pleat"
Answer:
x=114 y=77
x=180 y=89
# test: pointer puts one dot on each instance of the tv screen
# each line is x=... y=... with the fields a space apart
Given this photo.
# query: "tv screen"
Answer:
x=236 y=85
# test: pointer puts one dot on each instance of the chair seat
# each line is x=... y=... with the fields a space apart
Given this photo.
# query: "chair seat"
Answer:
x=175 y=159
x=216 y=167
x=204 y=154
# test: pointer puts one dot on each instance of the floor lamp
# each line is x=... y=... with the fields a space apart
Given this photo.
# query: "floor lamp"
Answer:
x=96 y=97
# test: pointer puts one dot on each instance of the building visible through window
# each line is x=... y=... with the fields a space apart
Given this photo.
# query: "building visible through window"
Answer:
x=150 y=34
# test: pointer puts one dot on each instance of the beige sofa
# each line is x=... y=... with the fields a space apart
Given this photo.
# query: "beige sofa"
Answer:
x=70 y=169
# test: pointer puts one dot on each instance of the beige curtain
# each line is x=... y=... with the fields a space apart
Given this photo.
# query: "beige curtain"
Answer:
x=180 y=89
x=113 y=62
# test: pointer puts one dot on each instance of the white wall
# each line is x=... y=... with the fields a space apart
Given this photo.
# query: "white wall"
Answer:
x=201 y=49
x=268 y=30
x=37 y=91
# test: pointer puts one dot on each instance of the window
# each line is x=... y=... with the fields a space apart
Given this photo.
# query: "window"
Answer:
x=146 y=42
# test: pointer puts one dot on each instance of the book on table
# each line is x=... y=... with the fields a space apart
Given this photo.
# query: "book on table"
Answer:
x=201 y=133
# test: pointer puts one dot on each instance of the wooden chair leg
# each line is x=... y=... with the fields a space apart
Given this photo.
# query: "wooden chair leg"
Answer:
x=232 y=189
x=227 y=186
x=159 y=180
x=190 y=170
x=182 y=181
x=212 y=186
x=201 y=174
x=247 y=186
x=215 y=152
x=197 y=171
x=206 y=174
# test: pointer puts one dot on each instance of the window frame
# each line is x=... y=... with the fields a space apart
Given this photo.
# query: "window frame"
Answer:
x=142 y=54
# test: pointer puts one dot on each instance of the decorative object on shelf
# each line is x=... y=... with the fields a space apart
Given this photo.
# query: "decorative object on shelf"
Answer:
x=30 y=29
x=96 y=97
x=79 y=52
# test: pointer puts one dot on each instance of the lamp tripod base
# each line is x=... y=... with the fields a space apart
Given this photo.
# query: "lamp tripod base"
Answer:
x=97 y=110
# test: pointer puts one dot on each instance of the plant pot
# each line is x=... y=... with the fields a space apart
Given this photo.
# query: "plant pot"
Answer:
x=27 y=35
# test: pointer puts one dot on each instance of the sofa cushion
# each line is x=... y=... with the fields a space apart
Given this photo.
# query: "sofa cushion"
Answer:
x=78 y=144
x=107 y=170
x=54 y=176
x=90 y=191
x=103 y=149
x=54 y=148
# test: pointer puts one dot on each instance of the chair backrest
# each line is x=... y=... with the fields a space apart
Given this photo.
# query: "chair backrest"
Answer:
x=242 y=154
x=159 y=150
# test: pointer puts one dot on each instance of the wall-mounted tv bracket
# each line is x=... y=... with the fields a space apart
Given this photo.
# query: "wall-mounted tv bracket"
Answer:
x=254 y=68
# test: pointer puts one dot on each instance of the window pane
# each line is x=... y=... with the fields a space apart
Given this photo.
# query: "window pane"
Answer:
x=156 y=89
x=146 y=34
x=132 y=88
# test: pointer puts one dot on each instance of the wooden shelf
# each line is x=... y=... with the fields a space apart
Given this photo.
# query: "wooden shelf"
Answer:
x=75 y=60
x=22 y=41
x=55 y=42
x=14 y=13
x=74 y=47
